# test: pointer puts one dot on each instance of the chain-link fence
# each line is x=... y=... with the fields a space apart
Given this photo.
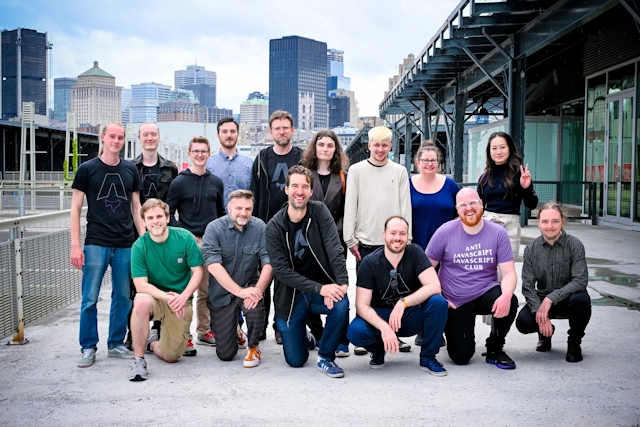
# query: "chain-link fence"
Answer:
x=36 y=275
x=20 y=199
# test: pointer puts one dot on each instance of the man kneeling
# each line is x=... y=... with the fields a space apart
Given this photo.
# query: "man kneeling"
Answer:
x=166 y=266
x=398 y=295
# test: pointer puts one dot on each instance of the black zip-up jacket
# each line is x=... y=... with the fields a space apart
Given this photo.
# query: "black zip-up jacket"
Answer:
x=198 y=200
x=168 y=172
x=322 y=236
x=260 y=183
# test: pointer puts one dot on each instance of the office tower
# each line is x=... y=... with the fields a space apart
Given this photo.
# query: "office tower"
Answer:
x=338 y=82
x=255 y=109
x=193 y=75
x=214 y=114
x=23 y=71
x=62 y=97
x=204 y=93
x=335 y=62
x=298 y=80
x=179 y=110
x=96 y=98
x=126 y=105
x=145 y=100
x=353 y=105
x=339 y=110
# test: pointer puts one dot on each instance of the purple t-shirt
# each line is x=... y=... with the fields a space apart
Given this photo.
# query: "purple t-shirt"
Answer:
x=468 y=262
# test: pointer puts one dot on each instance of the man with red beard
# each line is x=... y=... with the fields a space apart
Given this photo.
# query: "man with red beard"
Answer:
x=471 y=251
x=398 y=295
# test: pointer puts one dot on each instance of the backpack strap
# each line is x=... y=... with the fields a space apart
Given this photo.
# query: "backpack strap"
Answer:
x=344 y=184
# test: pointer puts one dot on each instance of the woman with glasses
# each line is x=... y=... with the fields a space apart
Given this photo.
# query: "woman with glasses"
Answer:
x=433 y=195
x=326 y=159
x=433 y=198
x=504 y=185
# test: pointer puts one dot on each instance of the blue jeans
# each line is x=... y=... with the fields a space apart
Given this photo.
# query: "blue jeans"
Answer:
x=96 y=261
x=294 y=332
x=428 y=318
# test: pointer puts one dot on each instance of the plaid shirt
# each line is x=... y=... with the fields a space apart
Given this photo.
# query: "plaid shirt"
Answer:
x=553 y=271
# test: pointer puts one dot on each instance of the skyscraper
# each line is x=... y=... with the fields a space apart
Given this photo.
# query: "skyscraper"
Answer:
x=194 y=74
x=96 y=98
x=205 y=94
x=145 y=100
x=298 y=80
x=335 y=62
x=255 y=109
x=62 y=97
x=23 y=71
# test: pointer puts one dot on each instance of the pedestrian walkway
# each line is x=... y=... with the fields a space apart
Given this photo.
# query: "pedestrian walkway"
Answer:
x=41 y=384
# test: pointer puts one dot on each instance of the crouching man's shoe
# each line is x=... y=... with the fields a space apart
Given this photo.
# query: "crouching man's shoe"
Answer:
x=574 y=353
x=544 y=343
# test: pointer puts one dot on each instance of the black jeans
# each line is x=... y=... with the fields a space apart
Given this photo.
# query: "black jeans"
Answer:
x=576 y=308
x=460 y=326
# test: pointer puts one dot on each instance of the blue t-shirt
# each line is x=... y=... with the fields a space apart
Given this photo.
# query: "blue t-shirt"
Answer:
x=430 y=211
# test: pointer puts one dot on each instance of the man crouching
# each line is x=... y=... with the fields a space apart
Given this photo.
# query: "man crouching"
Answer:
x=166 y=266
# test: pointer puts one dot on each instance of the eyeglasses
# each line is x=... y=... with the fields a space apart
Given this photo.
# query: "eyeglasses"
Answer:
x=470 y=203
x=428 y=161
x=393 y=279
x=284 y=128
x=199 y=152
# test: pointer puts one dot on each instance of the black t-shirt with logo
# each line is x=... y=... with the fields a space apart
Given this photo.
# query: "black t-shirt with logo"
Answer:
x=277 y=168
x=304 y=263
x=374 y=273
x=150 y=177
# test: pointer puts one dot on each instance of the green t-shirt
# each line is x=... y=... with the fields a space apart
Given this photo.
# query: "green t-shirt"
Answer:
x=166 y=265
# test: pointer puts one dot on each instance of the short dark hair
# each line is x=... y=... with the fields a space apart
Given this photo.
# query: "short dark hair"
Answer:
x=300 y=170
x=241 y=194
x=199 y=140
x=280 y=115
x=227 y=120
x=395 y=217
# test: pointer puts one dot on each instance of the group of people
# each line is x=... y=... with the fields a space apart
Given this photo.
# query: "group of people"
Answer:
x=227 y=227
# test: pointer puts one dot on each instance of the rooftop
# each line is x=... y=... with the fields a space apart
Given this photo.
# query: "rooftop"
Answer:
x=96 y=71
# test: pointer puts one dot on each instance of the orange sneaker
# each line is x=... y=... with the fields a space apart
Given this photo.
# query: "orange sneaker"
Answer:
x=252 y=358
x=242 y=338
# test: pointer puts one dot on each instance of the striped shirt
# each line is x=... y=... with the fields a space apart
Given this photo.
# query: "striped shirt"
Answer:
x=553 y=271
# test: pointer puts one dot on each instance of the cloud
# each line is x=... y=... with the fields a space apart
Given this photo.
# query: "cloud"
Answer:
x=147 y=41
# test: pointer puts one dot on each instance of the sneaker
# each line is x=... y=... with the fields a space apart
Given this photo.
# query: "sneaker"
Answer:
x=190 y=350
x=153 y=336
x=120 y=351
x=431 y=365
x=544 y=343
x=404 y=347
x=311 y=340
x=500 y=359
x=419 y=339
x=360 y=351
x=376 y=362
x=138 y=370
x=88 y=357
x=342 y=350
x=574 y=353
x=208 y=339
x=279 y=338
x=242 y=338
x=252 y=357
x=330 y=368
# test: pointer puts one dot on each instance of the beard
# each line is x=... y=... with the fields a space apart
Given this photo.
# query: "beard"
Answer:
x=471 y=222
x=396 y=251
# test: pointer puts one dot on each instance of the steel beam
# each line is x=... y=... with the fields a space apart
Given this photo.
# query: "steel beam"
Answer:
x=458 y=135
x=481 y=67
x=407 y=147
x=436 y=103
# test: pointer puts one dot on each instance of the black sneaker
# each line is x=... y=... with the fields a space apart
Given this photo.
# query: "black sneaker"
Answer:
x=574 y=353
x=544 y=343
x=377 y=362
x=500 y=359
x=403 y=346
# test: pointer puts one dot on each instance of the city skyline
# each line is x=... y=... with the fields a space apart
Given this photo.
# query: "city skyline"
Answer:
x=148 y=42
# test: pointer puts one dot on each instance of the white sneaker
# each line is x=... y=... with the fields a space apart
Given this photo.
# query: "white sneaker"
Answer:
x=252 y=357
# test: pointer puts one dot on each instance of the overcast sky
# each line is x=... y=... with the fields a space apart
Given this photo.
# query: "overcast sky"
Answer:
x=140 y=41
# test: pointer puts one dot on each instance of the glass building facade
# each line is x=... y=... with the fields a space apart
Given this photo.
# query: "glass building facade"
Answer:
x=62 y=97
x=297 y=68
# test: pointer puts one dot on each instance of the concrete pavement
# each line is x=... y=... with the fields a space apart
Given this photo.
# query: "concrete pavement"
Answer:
x=41 y=384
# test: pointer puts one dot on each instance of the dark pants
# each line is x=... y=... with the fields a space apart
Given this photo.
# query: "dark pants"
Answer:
x=460 y=329
x=224 y=323
x=294 y=334
x=577 y=308
x=427 y=318
x=364 y=251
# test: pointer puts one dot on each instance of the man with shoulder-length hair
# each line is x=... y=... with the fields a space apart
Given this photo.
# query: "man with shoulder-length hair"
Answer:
x=554 y=283
x=311 y=274
x=166 y=266
x=197 y=196
x=236 y=256
x=111 y=187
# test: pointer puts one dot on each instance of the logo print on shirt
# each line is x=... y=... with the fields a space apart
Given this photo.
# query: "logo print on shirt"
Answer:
x=112 y=188
x=152 y=186
x=299 y=244
x=280 y=174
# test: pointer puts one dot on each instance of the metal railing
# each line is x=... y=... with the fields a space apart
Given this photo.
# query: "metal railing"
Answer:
x=578 y=198
x=36 y=275
x=21 y=198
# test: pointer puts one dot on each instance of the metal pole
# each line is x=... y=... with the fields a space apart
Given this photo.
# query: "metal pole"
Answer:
x=18 y=337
